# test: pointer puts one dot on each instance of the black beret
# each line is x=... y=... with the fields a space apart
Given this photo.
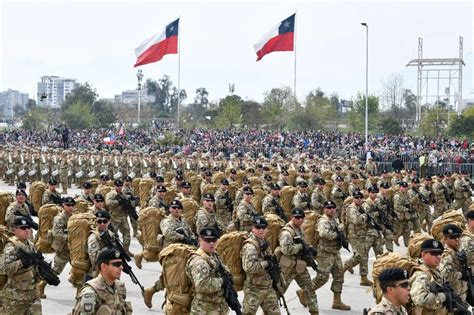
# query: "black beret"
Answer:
x=301 y=169
x=428 y=178
x=338 y=168
x=176 y=203
x=107 y=254
x=185 y=185
x=470 y=215
x=267 y=177
x=208 y=197
x=358 y=193
x=303 y=184
x=69 y=201
x=21 y=185
x=128 y=178
x=393 y=274
x=297 y=212
x=385 y=186
x=87 y=185
x=275 y=186
x=52 y=181
x=99 y=197
x=20 y=221
x=20 y=192
x=104 y=177
x=208 y=233
x=339 y=178
x=179 y=177
x=233 y=171
x=285 y=173
x=266 y=168
x=403 y=184
x=371 y=173
x=373 y=189
x=224 y=181
x=260 y=222
x=118 y=183
x=329 y=204
x=354 y=176
x=415 y=180
x=153 y=175
x=102 y=214
x=159 y=179
x=451 y=230
x=161 y=188
x=179 y=172
x=246 y=181
x=431 y=245
x=208 y=173
x=321 y=181
x=247 y=190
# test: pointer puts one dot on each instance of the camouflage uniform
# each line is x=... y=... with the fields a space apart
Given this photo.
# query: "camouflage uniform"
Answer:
x=270 y=203
x=385 y=307
x=245 y=215
x=168 y=227
x=50 y=197
x=357 y=229
x=97 y=296
x=258 y=290
x=94 y=245
x=302 y=201
x=440 y=204
x=462 y=194
x=19 y=295
x=415 y=202
x=128 y=191
x=424 y=212
x=205 y=218
x=156 y=202
x=338 y=196
x=400 y=202
x=421 y=296
x=467 y=244
x=383 y=203
x=450 y=270
x=374 y=239
x=293 y=268
x=10 y=213
x=208 y=293
x=318 y=198
x=60 y=241
x=119 y=218
x=223 y=215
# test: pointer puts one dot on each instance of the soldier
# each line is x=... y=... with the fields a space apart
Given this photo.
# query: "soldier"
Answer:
x=95 y=243
x=98 y=204
x=184 y=191
x=104 y=294
x=396 y=292
x=302 y=199
x=246 y=212
x=64 y=164
x=427 y=197
x=330 y=232
x=440 y=193
x=267 y=182
x=283 y=179
x=17 y=208
x=357 y=226
x=371 y=180
x=258 y=290
x=448 y=184
x=374 y=238
x=292 y=267
x=423 y=298
x=118 y=214
x=201 y=269
x=19 y=295
x=467 y=238
x=370 y=166
x=240 y=193
x=450 y=267
x=128 y=192
x=338 y=195
x=102 y=183
x=462 y=192
x=158 y=200
x=87 y=195
x=50 y=195
x=404 y=213
x=385 y=179
x=384 y=205
x=206 y=216
x=318 y=197
x=224 y=205
x=271 y=201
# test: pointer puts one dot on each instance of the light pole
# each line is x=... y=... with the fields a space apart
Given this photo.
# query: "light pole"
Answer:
x=366 y=85
x=139 y=78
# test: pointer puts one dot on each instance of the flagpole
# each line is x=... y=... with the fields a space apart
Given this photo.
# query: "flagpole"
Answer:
x=179 y=70
x=294 y=46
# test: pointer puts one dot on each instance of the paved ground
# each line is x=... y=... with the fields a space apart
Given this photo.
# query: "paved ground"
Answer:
x=60 y=299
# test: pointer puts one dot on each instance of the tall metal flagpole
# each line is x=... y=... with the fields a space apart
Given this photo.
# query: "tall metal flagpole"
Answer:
x=366 y=86
x=179 y=70
x=294 y=48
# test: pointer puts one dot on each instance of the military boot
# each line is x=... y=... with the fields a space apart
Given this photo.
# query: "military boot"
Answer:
x=337 y=303
x=364 y=281
x=40 y=287
x=128 y=252
x=348 y=268
x=148 y=296
x=302 y=297
x=314 y=313
x=138 y=260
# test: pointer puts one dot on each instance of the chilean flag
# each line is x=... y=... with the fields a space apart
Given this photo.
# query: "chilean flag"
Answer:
x=154 y=48
x=280 y=38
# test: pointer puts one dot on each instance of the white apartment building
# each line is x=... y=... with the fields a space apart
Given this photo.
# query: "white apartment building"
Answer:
x=52 y=90
x=9 y=99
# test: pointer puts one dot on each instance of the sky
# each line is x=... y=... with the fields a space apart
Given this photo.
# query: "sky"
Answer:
x=94 y=41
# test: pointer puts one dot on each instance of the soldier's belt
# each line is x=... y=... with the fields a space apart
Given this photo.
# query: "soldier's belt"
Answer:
x=213 y=298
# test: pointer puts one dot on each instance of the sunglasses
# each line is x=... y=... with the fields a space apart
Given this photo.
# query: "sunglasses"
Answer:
x=210 y=240
x=404 y=285
x=116 y=264
x=298 y=218
x=260 y=227
x=24 y=227
x=102 y=221
x=357 y=197
x=248 y=194
x=454 y=237
x=175 y=207
x=435 y=253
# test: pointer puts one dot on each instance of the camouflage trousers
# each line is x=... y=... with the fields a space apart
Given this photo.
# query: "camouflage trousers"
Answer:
x=329 y=263
x=264 y=297
x=375 y=241
x=60 y=261
x=424 y=215
x=388 y=239
x=16 y=307
x=439 y=209
x=64 y=181
x=463 y=203
x=208 y=305
x=120 y=223
x=404 y=228
x=360 y=256
x=224 y=218
x=134 y=224
x=304 y=282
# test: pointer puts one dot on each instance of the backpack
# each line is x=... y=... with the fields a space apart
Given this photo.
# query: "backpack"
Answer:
x=275 y=224
x=46 y=216
x=209 y=188
x=291 y=177
x=190 y=207
x=453 y=216
x=179 y=289
x=414 y=245
x=79 y=227
x=144 y=188
x=36 y=194
x=286 y=199
x=149 y=225
x=81 y=206
x=5 y=234
x=6 y=198
x=136 y=186
x=328 y=188
x=255 y=182
x=228 y=247
x=196 y=187
x=217 y=177
x=258 y=195
x=309 y=227
x=389 y=260
x=95 y=182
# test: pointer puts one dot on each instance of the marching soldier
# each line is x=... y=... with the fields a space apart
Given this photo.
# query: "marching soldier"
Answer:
x=158 y=200
x=396 y=292
x=330 y=232
x=50 y=195
x=206 y=216
x=448 y=184
x=439 y=193
x=240 y=193
x=462 y=192
x=467 y=238
x=301 y=199
x=104 y=294
x=246 y=212
x=427 y=198
x=87 y=195
x=353 y=185
x=16 y=208
x=338 y=195
x=224 y=205
x=374 y=239
x=404 y=213
x=283 y=179
x=128 y=192
x=318 y=197
x=384 y=204
x=94 y=242
x=271 y=201
x=98 y=205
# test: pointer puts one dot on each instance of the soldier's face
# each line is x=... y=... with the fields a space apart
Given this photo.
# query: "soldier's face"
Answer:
x=401 y=292
x=68 y=209
x=470 y=224
x=175 y=211
x=112 y=270
x=248 y=197
x=22 y=232
x=118 y=189
x=21 y=198
x=208 y=245
x=297 y=220
x=260 y=232
x=431 y=259
x=453 y=242
x=330 y=212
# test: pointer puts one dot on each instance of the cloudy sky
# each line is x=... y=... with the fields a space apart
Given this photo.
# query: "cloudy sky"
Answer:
x=94 y=41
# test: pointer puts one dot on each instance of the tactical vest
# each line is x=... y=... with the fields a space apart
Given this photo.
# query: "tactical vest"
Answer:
x=110 y=303
x=325 y=245
x=258 y=280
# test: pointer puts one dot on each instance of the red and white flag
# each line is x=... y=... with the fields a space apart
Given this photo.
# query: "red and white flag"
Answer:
x=280 y=38
x=154 y=48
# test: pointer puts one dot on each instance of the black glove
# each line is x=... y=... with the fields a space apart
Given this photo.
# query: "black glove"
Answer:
x=27 y=261
x=435 y=288
x=361 y=211
x=264 y=245
x=312 y=251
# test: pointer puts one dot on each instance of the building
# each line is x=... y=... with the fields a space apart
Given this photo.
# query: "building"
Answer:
x=9 y=99
x=52 y=90
x=131 y=97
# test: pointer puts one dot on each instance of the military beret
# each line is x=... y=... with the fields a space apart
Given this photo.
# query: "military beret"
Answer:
x=393 y=274
x=99 y=197
x=208 y=197
x=179 y=177
x=266 y=168
x=87 y=185
x=260 y=222
x=303 y=184
x=152 y=174
x=358 y=194
x=246 y=181
x=118 y=183
x=247 y=190
x=202 y=168
x=69 y=201
x=329 y=204
x=470 y=215
x=185 y=185
x=21 y=185
x=447 y=173
x=179 y=172
x=321 y=181
x=385 y=186
x=107 y=254
x=371 y=173
x=216 y=168
x=354 y=176
x=384 y=172
x=440 y=175
x=161 y=188
x=301 y=169
x=208 y=233
x=373 y=189
x=465 y=172
x=275 y=186
x=259 y=165
x=20 y=221
x=297 y=212
x=104 y=177
x=128 y=178
x=20 y=192
x=52 y=181
x=338 y=168
x=251 y=170
x=160 y=179
x=233 y=171
x=451 y=230
x=415 y=180
x=225 y=182
x=427 y=178
x=208 y=173
x=176 y=203
x=267 y=177
x=403 y=184
x=431 y=245
x=102 y=214
x=285 y=173
x=397 y=171
x=339 y=179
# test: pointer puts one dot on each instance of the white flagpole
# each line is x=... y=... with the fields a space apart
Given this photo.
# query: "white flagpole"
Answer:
x=179 y=70
x=294 y=48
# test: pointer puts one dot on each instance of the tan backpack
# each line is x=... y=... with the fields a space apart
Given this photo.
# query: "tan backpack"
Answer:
x=328 y=188
x=46 y=216
x=275 y=224
x=217 y=177
x=452 y=216
x=286 y=198
x=81 y=206
x=255 y=182
x=149 y=225
x=36 y=194
x=136 y=186
x=6 y=198
x=144 y=188
x=209 y=188
x=79 y=227
x=385 y=261
x=190 y=207
x=309 y=228
x=95 y=182
x=179 y=289
x=228 y=247
x=258 y=195
x=196 y=187
x=414 y=244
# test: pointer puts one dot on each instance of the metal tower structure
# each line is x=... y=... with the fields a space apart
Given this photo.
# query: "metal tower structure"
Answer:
x=447 y=71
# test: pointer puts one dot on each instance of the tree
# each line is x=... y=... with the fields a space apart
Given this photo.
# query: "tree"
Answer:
x=19 y=110
x=30 y=105
x=357 y=114
x=78 y=116
x=392 y=92
x=462 y=126
x=201 y=97
x=276 y=105
x=84 y=94
x=104 y=114
x=251 y=113
x=35 y=119
x=166 y=96
x=230 y=112
x=321 y=111
x=390 y=126
x=432 y=122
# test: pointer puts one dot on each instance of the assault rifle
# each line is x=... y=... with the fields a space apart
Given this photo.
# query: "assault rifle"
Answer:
x=127 y=206
x=31 y=208
x=56 y=199
x=390 y=209
x=36 y=258
x=371 y=220
x=447 y=196
x=228 y=202
x=28 y=219
x=279 y=210
x=466 y=276
x=230 y=295
x=453 y=302
x=275 y=273
x=307 y=253
x=385 y=221
x=187 y=239
x=414 y=214
x=117 y=244
x=307 y=199
x=342 y=240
